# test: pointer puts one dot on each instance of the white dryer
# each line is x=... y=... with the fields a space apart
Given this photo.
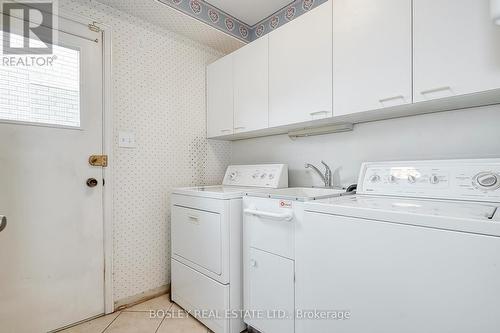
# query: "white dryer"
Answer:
x=206 y=227
x=416 y=250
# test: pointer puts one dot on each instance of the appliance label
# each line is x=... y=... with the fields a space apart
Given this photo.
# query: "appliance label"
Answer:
x=285 y=204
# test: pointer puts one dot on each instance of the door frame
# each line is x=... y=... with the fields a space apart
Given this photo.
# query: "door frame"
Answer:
x=107 y=107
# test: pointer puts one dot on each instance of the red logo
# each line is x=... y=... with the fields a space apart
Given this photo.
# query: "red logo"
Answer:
x=285 y=204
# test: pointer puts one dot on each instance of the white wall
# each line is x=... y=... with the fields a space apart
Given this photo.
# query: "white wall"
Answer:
x=159 y=94
x=473 y=133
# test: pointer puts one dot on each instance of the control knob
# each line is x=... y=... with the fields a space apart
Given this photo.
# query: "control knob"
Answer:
x=374 y=179
x=487 y=181
x=393 y=179
x=434 y=179
x=412 y=179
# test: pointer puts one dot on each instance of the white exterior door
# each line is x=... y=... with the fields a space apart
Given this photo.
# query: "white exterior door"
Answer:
x=51 y=251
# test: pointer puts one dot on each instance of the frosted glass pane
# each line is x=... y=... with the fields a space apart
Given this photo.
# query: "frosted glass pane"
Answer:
x=47 y=94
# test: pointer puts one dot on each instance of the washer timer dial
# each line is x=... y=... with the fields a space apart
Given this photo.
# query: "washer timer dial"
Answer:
x=487 y=181
x=233 y=175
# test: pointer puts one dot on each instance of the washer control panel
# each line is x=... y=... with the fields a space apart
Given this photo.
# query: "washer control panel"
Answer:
x=477 y=180
x=265 y=175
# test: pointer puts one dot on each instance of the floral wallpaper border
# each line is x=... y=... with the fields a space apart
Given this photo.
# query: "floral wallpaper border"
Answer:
x=222 y=21
x=285 y=15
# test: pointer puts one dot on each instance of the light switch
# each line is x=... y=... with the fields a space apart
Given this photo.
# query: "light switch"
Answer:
x=126 y=140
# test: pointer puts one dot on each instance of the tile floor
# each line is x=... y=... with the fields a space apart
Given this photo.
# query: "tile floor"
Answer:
x=137 y=319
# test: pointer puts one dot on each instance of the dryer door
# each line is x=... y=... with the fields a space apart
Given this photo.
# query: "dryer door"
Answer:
x=198 y=238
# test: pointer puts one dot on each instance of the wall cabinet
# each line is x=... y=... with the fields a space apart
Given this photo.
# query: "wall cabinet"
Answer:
x=456 y=48
x=300 y=68
x=220 y=97
x=251 y=86
x=372 y=50
x=352 y=61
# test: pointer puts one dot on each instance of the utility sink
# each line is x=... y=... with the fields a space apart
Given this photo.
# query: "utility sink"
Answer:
x=300 y=193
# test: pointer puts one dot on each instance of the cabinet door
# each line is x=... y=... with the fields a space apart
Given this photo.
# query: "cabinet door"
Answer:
x=300 y=68
x=371 y=55
x=220 y=97
x=456 y=48
x=270 y=289
x=251 y=86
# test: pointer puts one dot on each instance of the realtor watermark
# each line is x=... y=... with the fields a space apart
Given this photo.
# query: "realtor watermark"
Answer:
x=29 y=31
x=253 y=314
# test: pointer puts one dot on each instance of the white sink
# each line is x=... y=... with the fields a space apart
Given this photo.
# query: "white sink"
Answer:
x=300 y=193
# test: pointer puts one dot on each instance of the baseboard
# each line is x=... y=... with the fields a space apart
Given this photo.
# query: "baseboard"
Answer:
x=142 y=297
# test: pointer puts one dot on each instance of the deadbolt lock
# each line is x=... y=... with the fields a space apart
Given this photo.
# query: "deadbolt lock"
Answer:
x=99 y=160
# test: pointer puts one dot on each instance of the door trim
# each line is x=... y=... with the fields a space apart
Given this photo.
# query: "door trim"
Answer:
x=107 y=103
x=109 y=304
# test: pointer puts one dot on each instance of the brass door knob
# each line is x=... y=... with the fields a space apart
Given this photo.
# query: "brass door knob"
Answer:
x=92 y=182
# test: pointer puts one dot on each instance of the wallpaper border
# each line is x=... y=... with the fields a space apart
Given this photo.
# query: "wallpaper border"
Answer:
x=218 y=19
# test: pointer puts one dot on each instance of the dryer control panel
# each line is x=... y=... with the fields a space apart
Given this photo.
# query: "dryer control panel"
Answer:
x=264 y=175
x=475 y=179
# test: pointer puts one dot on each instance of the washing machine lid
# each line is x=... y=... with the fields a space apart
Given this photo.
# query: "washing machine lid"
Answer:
x=447 y=214
x=298 y=193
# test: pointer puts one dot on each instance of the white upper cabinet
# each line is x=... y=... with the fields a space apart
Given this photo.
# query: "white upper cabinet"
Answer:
x=372 y=55
x=220 y=97
x=251 y=86
x=456 y=48
x=300 y=68
x=347 y=60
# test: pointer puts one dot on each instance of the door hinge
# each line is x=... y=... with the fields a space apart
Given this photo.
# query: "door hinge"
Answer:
x=99 y=160
x=94 y=27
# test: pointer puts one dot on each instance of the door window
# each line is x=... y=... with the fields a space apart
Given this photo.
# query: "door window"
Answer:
x=42 y=89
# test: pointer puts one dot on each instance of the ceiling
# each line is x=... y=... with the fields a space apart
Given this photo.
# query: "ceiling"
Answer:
x=173 y=20
x=250 y=12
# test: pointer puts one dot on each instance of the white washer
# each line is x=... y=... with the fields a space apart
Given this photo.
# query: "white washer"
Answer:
x=416 y=250
x=207 y=244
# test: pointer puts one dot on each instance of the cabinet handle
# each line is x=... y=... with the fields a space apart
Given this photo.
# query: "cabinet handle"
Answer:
x=272 y=216
x=383 y=100
x=430 y=91
x=193 y=219
x=319 y=112
x=225 y=130
x=239 y=128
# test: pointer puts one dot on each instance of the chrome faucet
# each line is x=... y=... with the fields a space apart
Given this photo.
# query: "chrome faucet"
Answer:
x=326 y=177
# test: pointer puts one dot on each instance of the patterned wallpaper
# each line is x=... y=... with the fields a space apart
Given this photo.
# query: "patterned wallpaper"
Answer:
x=203 y=11
x=158 y=94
